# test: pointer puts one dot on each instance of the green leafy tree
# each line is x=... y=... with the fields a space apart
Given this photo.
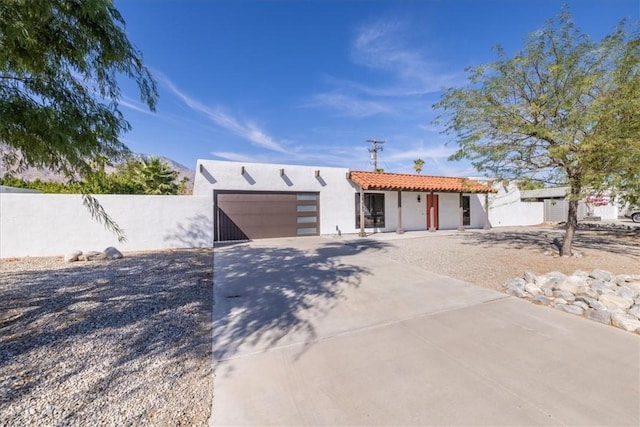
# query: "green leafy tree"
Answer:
x=417 y=165
x=60 y=61
x=564 y=109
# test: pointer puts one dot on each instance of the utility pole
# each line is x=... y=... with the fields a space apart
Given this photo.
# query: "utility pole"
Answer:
x=377 y=146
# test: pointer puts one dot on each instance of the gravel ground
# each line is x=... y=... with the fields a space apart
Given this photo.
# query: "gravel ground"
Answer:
x=119 y=343
x=489 y=258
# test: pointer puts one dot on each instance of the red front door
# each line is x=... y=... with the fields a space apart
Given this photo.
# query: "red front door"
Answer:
x=432 y=201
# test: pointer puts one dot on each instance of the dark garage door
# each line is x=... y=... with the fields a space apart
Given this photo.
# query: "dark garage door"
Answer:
x=260 y=215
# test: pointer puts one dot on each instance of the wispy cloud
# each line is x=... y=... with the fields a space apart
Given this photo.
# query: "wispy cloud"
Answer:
x=138 y=106
x=383 y=45
x=348 y=105
x=218 y=116
x=405 y=74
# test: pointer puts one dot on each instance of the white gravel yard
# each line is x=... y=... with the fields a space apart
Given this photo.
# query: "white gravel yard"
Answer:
x=489 y=258
x=123 y=342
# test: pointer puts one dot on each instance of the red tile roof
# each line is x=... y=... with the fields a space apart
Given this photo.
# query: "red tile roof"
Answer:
x=409 y=182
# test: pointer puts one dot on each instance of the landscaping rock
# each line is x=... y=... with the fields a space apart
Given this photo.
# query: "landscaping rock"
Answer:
x=601 y=316
x=626 y=292
x=113 y=253
x=540 y=300
x=602 y=287
x=570 y=308
x=571 y=284
x=529 y=277
x=613 y=301
x=635 y=311
x=567 y=296
x=533 y=289
x=586 y=291
x=625 y=321
x=93 y=256
x=550 y=279
x=72 y=256
x=581 y=304
x=598 y=295
x=603 y=275
x=517 y=292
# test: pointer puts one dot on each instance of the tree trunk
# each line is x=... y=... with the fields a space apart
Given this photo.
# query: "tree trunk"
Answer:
x=572 y=220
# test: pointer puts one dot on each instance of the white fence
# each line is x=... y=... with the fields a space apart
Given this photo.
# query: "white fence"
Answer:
x=54 y=224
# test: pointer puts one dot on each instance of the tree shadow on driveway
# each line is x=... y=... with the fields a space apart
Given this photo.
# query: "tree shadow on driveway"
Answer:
x=267 y=296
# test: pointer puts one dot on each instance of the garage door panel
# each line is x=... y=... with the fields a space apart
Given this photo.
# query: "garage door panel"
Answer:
x=251 y=215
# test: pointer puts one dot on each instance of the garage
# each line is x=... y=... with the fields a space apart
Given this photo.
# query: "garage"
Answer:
x=247 y=215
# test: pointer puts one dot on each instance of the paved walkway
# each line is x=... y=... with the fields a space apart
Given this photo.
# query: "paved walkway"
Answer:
x=311 y=331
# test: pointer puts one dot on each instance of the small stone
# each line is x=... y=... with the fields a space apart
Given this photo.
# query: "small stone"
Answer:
x=567 y=296
x=548 y=292
x=571 y=284
x=585 y=291
x=515 y=283
x=529 y=277
x=581 y=304
x=635 y=311
x=570 y=308
x=88 y=256
x=626 y=292
x=559 y=301
x=603 y=275
x=540 y=300
x=601 y=316
x=550 y=279
x=72 y=256
x=517 y=292
x=602 y=287
x=581 y=273
x=533 y=289
x=625 y=321
x=614 y=302
x=113 y=253
x=633 y=285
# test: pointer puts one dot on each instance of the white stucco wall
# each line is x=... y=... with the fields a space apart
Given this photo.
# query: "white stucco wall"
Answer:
x=54 y=224
x=337 y=200
x=506 y=208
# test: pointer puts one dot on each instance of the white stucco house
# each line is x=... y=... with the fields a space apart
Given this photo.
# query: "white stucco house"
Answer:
x=259 y=200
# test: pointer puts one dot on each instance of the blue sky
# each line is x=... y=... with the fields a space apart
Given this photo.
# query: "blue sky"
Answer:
x=308 y=82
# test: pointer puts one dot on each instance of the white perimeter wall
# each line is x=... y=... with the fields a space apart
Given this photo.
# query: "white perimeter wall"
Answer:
x=506 y=208
x=54 y=224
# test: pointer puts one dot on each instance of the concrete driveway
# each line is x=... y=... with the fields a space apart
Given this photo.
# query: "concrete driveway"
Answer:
x=311 y=331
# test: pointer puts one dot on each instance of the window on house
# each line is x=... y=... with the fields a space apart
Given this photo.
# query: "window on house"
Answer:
x=373 y=210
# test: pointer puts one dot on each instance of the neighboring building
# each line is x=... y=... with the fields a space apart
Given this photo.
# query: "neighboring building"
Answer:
x=257 y=200
x=556 y=204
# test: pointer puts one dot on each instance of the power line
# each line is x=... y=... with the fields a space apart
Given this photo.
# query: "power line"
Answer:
x=377 y=146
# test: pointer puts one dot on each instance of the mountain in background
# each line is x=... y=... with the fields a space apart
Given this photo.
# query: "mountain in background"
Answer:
x=31 y=174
